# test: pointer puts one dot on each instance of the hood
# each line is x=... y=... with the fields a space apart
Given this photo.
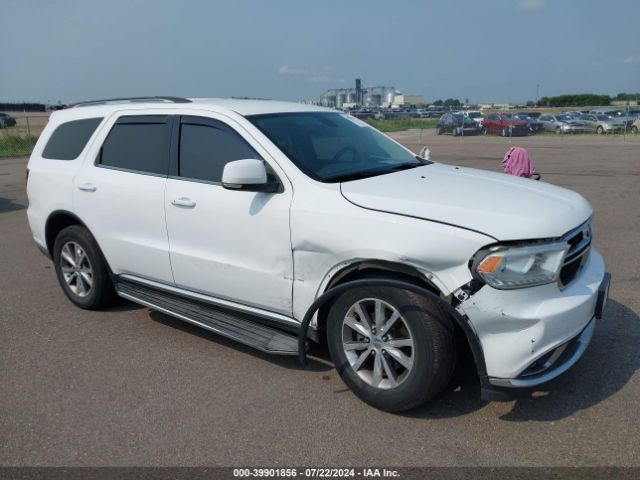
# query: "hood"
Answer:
x=499 y=205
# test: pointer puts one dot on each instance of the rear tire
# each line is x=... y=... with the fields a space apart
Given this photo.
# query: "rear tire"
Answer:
x=599 y=130
x=634 y=129
x=438 y=131
x=393 y=366
x=82 y=270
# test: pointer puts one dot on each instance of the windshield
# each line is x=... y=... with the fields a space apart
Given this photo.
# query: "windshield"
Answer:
x=564 y=118
x=605 y=118
x=333 y=147
x=474 y=115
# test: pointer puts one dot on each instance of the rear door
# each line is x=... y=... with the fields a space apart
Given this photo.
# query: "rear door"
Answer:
x=119 y=194
x=590 y=122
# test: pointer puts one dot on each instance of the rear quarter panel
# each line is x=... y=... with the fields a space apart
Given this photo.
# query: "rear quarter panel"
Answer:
x=50 y=184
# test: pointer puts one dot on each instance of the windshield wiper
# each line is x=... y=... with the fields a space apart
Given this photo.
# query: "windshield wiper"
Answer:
x=346 y=177
x=405 y=166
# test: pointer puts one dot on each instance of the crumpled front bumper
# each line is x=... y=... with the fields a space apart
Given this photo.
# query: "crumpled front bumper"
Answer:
x=530 y=336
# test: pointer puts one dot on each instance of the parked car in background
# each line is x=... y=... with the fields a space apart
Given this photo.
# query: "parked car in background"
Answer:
x=504 y=124
x=535 y=125
x=561 y=123
x=627 y=116
x=475 y=115
x=7 y=120
x=434 y=111
x=456 y=124
x=605 y=111
x=362 y=114
x=602 y=123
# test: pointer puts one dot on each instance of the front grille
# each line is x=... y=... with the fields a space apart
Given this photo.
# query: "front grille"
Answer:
x=579 y=241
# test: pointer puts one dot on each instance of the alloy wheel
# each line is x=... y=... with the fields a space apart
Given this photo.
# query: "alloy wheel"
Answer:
x=378 y=343
x=76 y=269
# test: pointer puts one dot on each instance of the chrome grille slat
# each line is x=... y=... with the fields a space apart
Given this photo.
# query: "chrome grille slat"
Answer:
x=579 y=240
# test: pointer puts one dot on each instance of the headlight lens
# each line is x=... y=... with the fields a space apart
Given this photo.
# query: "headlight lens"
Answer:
x=506 y=267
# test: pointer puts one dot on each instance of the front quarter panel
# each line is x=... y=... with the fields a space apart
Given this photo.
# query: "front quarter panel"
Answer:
x=328 y=232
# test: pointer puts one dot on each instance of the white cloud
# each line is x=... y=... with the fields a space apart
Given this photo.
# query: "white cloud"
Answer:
x=531 y=5
x=287 y=70
x=635 y=58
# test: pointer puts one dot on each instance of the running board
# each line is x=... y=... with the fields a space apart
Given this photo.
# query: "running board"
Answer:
x=241 y=327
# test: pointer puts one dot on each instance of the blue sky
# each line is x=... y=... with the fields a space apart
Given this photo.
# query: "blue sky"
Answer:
x=491 y=50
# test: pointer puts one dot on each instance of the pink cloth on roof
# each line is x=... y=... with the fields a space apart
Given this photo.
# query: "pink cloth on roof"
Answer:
x=518 y=162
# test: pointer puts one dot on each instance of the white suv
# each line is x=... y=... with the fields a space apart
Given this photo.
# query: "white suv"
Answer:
x=276 y=224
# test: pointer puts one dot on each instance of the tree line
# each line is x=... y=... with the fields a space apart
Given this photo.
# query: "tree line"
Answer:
x=585 y=99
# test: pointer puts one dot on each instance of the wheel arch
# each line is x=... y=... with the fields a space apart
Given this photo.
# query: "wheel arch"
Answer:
x=457 y=319
x=56 y=222
x=61 y=219
x=369 y=269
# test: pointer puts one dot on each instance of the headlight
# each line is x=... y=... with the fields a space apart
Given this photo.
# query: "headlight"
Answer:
x=506 y=267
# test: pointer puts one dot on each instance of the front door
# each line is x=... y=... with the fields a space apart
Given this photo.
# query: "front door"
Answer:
x=228 y=244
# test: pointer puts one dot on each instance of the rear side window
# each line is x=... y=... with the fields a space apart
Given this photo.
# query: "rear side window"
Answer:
x=140 y=143
x=206 y=146
x=69 y=139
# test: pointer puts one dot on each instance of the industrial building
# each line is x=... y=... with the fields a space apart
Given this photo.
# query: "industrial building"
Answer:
x=386 y=97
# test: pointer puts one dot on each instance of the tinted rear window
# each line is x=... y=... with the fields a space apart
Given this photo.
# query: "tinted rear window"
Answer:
x=70 y=138
x=206 y=149
x=141 y=144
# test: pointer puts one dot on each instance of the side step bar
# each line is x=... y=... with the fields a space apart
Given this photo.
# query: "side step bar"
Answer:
x=237 y=326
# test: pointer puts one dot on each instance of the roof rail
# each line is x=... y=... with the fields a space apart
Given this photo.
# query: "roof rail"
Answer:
x=132 y=100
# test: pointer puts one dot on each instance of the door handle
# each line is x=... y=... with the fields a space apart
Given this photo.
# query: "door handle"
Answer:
x=183 y=202
x=87 y=187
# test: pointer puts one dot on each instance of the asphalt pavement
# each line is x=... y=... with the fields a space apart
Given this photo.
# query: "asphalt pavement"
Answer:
x=130 y=386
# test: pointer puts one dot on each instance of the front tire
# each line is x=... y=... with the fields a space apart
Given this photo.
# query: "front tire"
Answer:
x=394 y=349
x=634 y=129
x=81 y=269
x=599 y=130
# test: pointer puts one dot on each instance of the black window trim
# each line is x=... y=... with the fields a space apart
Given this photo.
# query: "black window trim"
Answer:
x=215 y=123
x=145 y=120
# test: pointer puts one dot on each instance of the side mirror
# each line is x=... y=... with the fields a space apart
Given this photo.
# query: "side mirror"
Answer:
x=249 y=175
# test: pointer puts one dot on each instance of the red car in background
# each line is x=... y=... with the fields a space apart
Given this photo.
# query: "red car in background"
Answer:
x=505 y=125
